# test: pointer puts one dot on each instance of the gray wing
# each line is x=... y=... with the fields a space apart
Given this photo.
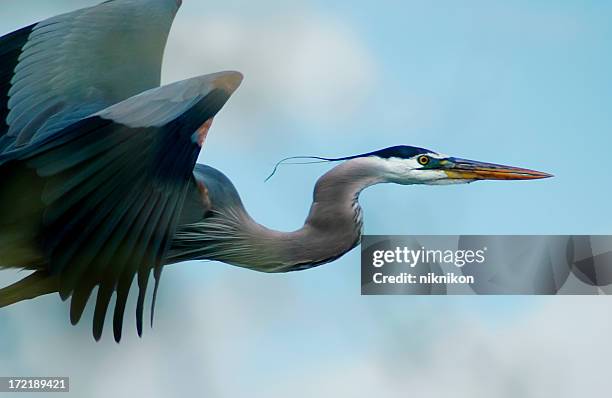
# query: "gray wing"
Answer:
x=107 y=191
x=65 y=68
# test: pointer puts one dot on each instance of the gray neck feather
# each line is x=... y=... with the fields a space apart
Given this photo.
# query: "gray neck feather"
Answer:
x=332 y=228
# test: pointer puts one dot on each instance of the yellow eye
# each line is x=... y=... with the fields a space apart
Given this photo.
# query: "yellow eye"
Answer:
x=423 y=160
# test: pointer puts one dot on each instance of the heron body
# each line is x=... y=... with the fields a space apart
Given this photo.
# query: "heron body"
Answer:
x=100 y=186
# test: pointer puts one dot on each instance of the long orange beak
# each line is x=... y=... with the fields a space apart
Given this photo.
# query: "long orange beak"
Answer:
x=463 y=169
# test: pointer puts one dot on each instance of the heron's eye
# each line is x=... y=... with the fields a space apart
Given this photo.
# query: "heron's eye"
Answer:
x=423 y=160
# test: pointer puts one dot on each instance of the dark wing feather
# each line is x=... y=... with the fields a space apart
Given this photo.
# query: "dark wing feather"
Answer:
x=110 y=196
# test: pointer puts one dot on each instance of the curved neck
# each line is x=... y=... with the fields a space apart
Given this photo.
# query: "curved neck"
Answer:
x=332 y=228
x=336 y=193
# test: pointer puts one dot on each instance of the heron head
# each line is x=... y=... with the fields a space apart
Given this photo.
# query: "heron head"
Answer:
x=412 y=165
x=406 y=165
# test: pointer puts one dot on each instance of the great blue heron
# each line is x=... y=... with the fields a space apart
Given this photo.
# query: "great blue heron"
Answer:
x=99 y=186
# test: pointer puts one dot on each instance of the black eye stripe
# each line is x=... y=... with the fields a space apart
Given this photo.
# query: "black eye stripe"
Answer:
x=401 y=151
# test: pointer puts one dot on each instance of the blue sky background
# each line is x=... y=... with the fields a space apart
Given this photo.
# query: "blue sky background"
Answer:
x=520 y=83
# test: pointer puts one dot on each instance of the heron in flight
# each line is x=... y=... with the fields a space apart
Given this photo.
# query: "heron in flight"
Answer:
x=100 y=184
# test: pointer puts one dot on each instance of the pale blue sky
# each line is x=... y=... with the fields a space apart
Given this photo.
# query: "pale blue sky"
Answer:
x=520 y=83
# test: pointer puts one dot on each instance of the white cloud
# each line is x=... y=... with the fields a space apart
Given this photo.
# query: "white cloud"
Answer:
x=296 y=63
x=560 y=350
x=228 y=332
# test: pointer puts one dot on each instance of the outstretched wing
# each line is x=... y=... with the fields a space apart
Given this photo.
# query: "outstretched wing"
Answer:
x=109 y=189
x=65 y=68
